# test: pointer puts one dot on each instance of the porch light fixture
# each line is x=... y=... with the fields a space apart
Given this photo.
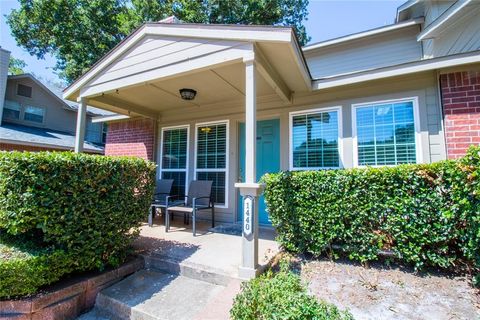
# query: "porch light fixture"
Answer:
x=188 y=94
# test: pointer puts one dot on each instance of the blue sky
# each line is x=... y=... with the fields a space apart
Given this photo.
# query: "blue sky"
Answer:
x=327 y=19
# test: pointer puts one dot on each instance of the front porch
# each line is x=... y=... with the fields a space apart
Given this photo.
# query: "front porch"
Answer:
x=212 y=254
x=225 y=70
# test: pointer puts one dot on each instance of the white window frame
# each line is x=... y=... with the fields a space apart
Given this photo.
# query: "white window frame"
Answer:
x=340 y=136
x=24 y=108
x=187 y=166
x=227 y=159
x=416 y=121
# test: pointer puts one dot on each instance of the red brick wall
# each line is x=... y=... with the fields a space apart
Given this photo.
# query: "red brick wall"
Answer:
x=17 y=147
x=131 y=138
x=461 y=107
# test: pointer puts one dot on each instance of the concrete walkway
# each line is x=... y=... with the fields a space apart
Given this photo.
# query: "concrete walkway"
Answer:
x=216 y=252
x=186 y=277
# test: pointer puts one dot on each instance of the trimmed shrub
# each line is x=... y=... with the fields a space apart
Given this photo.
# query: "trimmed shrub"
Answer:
x=281 y=296
x=427 y=215
x=88 y=207
x=24 y=267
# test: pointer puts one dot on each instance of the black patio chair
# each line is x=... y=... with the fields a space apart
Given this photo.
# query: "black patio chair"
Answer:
x=199 y=198
x=162 y=191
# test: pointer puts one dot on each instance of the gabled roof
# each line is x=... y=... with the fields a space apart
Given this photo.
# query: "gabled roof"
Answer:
x=25 y=135
x=363 y=34
x=447 y=19
x=57 y=94
x=246 y=33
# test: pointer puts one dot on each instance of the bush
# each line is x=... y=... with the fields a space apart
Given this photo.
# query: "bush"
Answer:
x=428 y=214
x=89 y=207
x=281 y=296
x=24 y=267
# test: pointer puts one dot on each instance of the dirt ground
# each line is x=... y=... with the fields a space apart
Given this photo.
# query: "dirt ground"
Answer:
x=390 y=293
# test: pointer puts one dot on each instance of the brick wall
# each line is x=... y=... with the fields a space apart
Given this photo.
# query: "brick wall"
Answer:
x=18 y=147
x=461 y=107
x=131 y=138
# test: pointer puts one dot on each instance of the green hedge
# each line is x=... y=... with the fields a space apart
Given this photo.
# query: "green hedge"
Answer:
x=89 y=207
x=24 y=267
x=427 y=215
x=281 y=296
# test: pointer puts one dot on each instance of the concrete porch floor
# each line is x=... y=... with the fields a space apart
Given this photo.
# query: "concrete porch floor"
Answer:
x=214 y=252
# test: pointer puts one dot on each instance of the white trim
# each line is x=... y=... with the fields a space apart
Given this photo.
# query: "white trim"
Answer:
x=186 y=169
x=363 y=34
x=227 y=157
x=99 y=119
x=398 y=70
x=340 y=136
x=416 y=120
x=434 y=28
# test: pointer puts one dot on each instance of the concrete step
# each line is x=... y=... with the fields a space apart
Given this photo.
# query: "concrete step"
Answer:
x=190 y=269
x=155 y=295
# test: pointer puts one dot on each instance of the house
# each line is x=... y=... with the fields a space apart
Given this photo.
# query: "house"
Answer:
x=34 y=116
x=229 y=103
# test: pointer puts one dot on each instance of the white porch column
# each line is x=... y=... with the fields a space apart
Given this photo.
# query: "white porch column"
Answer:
x=81 y=123
x=250 y=189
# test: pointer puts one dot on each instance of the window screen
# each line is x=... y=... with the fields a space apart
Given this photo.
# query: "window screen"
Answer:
x=34 y=114
x=174 y=158
x=386 y=134
x=211 y=162
x=315 y=140
x=11 y=110
x=24 y=91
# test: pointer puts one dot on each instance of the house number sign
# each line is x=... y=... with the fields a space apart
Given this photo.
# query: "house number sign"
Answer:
x=248 y=215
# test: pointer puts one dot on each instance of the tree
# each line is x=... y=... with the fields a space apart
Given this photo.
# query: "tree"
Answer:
x=16 y=66
x=79 y=32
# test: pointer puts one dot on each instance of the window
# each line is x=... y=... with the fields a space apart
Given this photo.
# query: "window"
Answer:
x=34 y=114
x=315 y=139
x=175 y=157
x=104 y=132
x=11 y=110
x=385 y=133
x=24 y=91
x=93 y=132
x=212 y=158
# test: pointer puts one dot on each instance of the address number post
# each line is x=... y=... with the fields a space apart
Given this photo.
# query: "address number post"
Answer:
x=248 y=215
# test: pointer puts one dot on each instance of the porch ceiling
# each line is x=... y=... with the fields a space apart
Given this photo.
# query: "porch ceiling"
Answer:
x=216 y=85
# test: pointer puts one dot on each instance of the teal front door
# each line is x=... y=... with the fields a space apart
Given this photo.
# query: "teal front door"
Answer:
x=268 y=159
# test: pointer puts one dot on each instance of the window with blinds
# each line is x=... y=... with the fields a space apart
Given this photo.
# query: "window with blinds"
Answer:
x=174 y=158
x=315 y=140
x=386 y=134
x=211 y=158
x=11 y=110
x=34 y=114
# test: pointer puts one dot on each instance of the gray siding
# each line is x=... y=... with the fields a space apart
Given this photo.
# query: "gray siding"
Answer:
x=56 y=116
x=154 y=52
x=461 y=35
x=391 y=48
x=423 y=86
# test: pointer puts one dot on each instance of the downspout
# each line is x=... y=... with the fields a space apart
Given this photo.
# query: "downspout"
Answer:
x=442 y=113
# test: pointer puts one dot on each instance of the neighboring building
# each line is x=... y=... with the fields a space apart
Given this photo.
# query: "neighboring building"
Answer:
x=34 y=117
x=404 y=93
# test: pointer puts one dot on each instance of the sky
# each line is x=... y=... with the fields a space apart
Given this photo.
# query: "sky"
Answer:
x=327 y=19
